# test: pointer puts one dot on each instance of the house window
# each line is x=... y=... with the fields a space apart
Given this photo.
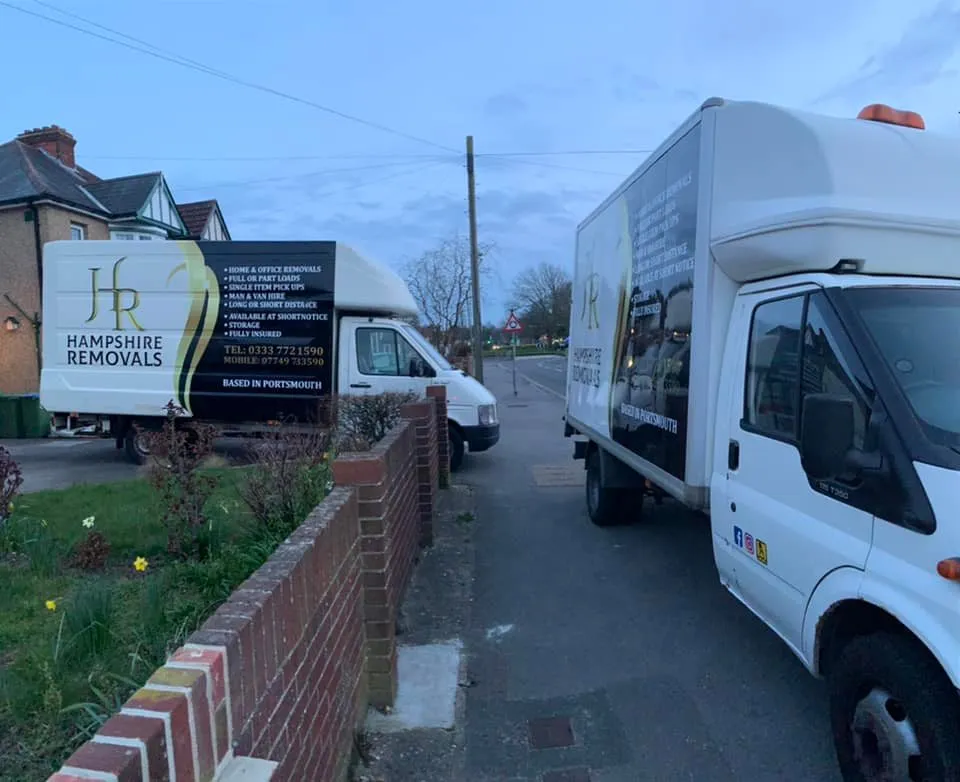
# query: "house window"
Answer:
x=145 y=238
x=125 y=236
x=78 y=231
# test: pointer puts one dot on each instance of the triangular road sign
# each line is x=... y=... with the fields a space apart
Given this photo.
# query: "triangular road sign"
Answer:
x=513 y=324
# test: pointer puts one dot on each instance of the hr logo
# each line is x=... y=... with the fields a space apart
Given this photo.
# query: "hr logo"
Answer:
x=118 y=294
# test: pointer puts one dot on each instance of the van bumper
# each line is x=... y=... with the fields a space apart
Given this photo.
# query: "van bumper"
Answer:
x=481 y=438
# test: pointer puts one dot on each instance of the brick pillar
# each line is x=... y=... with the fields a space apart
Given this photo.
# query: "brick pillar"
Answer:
x=368 y=473
x=439 y=395
x=424 y=416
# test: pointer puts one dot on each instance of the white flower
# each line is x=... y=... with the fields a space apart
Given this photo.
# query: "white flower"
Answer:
x=88 y=522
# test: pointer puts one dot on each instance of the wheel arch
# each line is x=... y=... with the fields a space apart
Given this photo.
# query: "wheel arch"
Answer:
x=855 y=616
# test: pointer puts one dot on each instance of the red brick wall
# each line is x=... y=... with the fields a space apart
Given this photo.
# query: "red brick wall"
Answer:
x=439 y=395
x=386 y=480
x=424 y=417
x=285 y=668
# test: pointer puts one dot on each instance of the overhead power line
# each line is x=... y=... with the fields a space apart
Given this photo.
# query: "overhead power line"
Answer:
x=357 y=156
x=154 y=51
x=322 y=172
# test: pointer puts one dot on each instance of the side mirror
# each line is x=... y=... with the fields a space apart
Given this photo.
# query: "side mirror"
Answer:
x=414 y=369
x=428 y=371
x=826 y=435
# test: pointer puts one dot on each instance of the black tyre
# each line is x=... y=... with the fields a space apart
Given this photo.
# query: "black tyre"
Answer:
x=894 y=712
x=609 y=507
x=457 y=448
x=135 y=445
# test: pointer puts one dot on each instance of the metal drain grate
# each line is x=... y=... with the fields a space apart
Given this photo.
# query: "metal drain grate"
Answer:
x=551 y=732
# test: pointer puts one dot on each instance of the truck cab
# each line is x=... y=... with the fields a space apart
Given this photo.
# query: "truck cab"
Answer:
x=807 y=396
x=380 y=355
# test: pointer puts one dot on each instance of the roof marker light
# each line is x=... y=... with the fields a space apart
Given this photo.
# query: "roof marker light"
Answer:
x=881 y=112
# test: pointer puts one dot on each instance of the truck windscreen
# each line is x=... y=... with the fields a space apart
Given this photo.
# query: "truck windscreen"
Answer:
x=418 y=339
x=917 y=333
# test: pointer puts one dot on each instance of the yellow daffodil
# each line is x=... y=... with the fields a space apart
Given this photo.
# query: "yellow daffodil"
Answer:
x=140 y=564
x=89 y=521
x=51 y=605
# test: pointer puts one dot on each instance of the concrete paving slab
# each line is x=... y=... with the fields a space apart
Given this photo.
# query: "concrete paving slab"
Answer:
x=429 y=677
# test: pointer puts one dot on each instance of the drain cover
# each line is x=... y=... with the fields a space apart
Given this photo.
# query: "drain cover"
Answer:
x=556 y=475
x=551 y=732
x=518 y=404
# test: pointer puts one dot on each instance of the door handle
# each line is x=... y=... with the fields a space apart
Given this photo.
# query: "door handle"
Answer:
x=733 y=455
x=359 y=385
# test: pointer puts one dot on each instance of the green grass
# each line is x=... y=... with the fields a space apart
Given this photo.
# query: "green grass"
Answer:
x=63 y=672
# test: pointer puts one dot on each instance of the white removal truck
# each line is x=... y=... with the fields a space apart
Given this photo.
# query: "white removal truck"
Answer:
x=238 y=334
x=766 y=326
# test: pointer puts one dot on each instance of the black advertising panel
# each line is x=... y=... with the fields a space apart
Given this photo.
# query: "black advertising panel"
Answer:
x=258 y=344
x=649 y=395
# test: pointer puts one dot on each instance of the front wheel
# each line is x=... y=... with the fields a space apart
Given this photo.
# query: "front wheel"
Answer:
x=457 y=448
x=895 y=714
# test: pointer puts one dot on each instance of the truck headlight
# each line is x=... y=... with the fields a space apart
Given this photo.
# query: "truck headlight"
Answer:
x=488 y=415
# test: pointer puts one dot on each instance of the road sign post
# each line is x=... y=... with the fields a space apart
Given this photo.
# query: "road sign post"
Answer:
x=513 y=327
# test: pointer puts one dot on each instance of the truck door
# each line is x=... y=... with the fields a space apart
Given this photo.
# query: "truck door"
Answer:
x=379 y=359
x=785 y=533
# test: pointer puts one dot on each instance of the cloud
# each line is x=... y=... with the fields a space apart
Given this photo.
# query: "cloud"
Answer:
x=918 y=59
x=504 y=104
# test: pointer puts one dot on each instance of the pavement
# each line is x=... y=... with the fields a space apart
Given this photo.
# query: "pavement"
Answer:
x=611 y=655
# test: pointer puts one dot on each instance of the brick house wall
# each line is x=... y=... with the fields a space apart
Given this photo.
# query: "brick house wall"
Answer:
x=285 y=669
x=19 y=371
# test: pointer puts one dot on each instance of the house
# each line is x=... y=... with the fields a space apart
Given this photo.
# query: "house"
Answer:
x=46 y=196
x=204 y=220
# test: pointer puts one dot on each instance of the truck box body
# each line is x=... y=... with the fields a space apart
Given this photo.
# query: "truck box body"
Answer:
x=230 y=331
x=740 y=192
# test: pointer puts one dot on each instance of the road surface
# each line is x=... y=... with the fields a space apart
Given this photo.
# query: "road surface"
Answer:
x=622 y=639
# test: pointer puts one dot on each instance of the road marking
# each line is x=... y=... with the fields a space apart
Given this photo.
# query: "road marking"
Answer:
x=496 y=633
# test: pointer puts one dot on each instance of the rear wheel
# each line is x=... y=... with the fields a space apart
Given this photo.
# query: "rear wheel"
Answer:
x=135 y=445
x=609 y=507
x=894 y=712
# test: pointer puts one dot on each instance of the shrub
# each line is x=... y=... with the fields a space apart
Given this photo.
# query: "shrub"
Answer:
x=91 y=553
x=11 y=479
x=365 y=420
x=178 y=453
x=289 y=477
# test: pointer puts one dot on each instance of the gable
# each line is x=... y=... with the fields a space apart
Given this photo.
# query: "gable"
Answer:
x=215 y=229
x=160 y=208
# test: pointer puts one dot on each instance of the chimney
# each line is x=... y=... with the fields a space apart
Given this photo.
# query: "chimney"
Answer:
x=53 y=140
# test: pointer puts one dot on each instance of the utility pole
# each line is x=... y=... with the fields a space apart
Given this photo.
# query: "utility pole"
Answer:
x=474 y=265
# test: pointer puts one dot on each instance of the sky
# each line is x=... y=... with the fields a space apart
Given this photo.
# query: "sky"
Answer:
x=365 y=146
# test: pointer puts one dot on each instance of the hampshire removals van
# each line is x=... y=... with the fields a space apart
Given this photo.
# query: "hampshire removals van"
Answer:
x=236 y=333
x=766 y=327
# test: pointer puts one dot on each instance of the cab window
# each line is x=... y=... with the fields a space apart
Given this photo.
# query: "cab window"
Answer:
x=772 y=399
x=783 y=367
x=384 y=352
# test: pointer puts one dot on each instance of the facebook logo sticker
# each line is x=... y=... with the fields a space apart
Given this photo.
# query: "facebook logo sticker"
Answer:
x=738 y=536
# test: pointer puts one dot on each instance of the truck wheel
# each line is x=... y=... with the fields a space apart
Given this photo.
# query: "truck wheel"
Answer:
x=456 y=449
x=135 y=445
x=894 y=712
x=604 y=506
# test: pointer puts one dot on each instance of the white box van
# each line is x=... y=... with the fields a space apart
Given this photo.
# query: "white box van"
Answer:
x=238 y=334
x=766 y=326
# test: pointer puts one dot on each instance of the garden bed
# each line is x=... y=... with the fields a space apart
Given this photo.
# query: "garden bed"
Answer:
x=99 y=584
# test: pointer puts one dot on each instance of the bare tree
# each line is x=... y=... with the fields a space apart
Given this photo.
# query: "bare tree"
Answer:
x=441 y=285
x=541 y=295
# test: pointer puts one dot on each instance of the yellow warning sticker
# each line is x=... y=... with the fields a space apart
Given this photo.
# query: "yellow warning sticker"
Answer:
x=761 y=552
